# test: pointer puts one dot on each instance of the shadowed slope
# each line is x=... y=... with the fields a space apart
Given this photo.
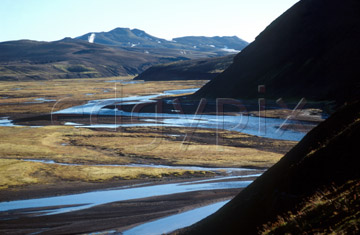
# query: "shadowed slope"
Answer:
x=311 y=51
x=327 y=156
x=70 y=58
x=200 y=69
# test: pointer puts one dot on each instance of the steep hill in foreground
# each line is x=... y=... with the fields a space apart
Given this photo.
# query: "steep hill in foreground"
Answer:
x=311 y=51
x=199 y=69
x=71 y=58
x=314 y=187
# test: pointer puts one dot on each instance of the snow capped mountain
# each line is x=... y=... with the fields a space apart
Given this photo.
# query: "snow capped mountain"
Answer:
x=125 y=37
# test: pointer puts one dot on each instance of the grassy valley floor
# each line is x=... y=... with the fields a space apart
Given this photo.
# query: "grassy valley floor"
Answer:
x=86 y=155
x=56 y=159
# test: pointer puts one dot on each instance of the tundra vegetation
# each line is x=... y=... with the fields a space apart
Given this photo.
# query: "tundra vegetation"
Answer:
x=86 y=154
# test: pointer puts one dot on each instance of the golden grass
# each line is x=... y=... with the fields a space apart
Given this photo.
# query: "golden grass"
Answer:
x=48 y=143
x=67 y=144
x=161 y=148
x=17 y=173
x=332 y=210
x=76 y=145
x=20 y=173
x=71 y=92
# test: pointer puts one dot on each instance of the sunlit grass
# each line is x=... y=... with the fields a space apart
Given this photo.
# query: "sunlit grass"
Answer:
x=77 y=145
x=143 y=145
x=20 y=173
x=333 y=210
x=66 y=144
x=16 y=95
x=48 y=143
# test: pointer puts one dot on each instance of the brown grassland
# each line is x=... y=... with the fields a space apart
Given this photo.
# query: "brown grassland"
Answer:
x=18 y=97
x=65 y=144
x=90 y=148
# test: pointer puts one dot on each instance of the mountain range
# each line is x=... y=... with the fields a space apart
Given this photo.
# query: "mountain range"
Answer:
x=70 y=58
x=119 y=52
x=310 y=51
x=138 y=40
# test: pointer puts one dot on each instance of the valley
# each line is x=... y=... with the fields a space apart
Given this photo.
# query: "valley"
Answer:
x=123 y=132
x=77 y=154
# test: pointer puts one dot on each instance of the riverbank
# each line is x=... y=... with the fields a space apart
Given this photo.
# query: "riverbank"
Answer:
x=117 y=216
x=117 y=208
x=95 y=156
x=80 y=153
x=32 y=98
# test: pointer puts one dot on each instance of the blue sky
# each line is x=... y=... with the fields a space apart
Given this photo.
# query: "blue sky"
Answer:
x=49 y=20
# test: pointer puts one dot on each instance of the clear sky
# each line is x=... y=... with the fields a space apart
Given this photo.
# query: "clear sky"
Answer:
x=49 y=20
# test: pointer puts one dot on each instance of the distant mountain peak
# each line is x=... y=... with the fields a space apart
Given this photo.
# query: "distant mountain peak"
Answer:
x=132 y=39
x=138 y=32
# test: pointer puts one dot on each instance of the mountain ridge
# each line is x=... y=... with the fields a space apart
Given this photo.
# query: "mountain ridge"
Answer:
x=79 y=58
x=132 y=38
x=71 y=58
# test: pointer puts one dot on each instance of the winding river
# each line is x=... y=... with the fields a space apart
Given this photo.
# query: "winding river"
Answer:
x=264 y=127
x=82 y=201
x=74 y=202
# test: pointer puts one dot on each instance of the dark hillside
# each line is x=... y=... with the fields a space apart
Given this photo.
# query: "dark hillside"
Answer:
x=199 y=69
x=311 y=51
x=70 y=58
x=325 y=162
